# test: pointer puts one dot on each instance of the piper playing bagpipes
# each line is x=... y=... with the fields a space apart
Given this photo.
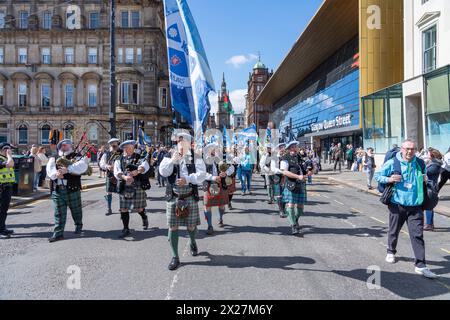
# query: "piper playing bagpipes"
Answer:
x=65 y=185
x=107 y=164
x=218 y=178
x=130 y=170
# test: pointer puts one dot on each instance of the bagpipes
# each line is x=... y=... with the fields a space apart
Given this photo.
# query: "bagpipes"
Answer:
x=66 y=161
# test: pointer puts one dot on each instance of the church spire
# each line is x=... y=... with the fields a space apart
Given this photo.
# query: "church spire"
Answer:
x=224 y=84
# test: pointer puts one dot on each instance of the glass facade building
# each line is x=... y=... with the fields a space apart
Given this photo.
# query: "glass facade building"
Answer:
x=325 y=107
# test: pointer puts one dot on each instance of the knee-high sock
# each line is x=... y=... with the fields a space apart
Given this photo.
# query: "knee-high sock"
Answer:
x=125 y=220
x=290 y=212
x=280 y=204
x=298 y=213
x=173 y=240
x=108 y=199
x=208 y=217
x=192 y=235
x=230 y=197
x=143 y=215
x=221 y=213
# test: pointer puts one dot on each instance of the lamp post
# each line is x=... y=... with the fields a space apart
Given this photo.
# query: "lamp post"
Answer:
x=112 y=71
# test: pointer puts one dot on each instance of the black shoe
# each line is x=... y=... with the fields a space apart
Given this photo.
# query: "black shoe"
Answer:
x=283 y=216
x=56 y=239
x=210 y=231
x=230 y=207
x=194 y=250
x=174 y=264
x=299 y=230
x=145 y=225
x=221 y=225
x=10 y=232
x=109 y=213
x=79 y=231
x=4 y=235
x=294 y=230
x=125 y=233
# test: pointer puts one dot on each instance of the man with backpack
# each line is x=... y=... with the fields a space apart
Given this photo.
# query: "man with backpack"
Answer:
x=408 y=174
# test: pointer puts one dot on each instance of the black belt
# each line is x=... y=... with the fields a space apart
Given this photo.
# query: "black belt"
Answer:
x=184 y=196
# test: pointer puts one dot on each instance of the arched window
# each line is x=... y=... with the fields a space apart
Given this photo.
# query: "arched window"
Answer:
x=92 y=133
x=68 y=131
x=45 y=134
x=23 y=134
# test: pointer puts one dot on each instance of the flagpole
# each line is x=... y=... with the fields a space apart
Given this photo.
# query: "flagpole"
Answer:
x=112 y=71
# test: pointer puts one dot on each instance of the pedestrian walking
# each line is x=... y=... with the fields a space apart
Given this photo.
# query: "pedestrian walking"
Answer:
x=294 y=193
x=433 y=173
x=268 y=175
x=7 y=180
x=106 y=164
x=350 y=156
x=65 y=188
x=246 y=172
x=338 y=157
x=407 y=173
x=185 y=172
x=369 y=166
x=37 y=167
x=445 y=174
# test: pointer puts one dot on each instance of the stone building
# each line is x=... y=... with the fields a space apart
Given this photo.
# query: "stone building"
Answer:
x=56 y=78
x=257 y=114
x=223 y=116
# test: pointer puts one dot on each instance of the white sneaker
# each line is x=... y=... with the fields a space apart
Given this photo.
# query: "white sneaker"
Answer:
x=427 y=273
x=390 y=258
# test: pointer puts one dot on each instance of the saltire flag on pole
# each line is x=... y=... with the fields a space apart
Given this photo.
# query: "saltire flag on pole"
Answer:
x=227 y=138
x=248 y=134
x=190 y=75
x=144 y=139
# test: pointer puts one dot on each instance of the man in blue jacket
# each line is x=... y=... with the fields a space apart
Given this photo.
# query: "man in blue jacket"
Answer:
x=406 y=203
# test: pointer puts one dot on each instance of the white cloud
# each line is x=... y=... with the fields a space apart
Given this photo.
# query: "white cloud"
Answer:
x=240 y=60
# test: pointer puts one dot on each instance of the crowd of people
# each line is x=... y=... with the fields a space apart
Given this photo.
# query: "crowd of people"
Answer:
x=287 y=168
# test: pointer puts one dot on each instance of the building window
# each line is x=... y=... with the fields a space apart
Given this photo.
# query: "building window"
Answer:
x=429 y=49
x=120 y=55
x=92 y=95
x=46 y=56
x=124 y=18
x=23 y=135
x=69 y=55
x=2 y=95
x=139 y=55
x=2 y=19
x=135 y=19
x=45 y=134
x=4 y=133
x=45 y=95
x=23 y=19
x=129 y=55
x=47 y=20
x=92 y=56
x=94 y=20
x=23 y=55
x=22 y=96
x=163 y=97
x=129 y=93
x=68 y=131
x=2 y=55
x=68 y=92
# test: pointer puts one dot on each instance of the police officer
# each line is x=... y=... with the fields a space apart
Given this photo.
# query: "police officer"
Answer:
x=7 y=179
x=107 y=164
x=65 y=186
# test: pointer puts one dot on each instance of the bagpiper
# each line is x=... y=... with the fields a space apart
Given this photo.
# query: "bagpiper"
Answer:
x=266 y=170
x=294 y=193
x=107 y=164
x=65 y=173
x=218 y=177
x=278 y=178
x=185 y=172
x=7 y=179
x=130 y=170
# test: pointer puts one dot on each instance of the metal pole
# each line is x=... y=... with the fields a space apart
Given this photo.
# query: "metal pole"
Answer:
x=112 y=71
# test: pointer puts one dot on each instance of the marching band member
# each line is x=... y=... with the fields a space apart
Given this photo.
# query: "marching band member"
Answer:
x=65 y=186
x=264 y=164
x=185 y=173
x=107 y=164
x=278 y=178
x=218 y=176
x=129 y=171
x=232 y=186
x=294 y=193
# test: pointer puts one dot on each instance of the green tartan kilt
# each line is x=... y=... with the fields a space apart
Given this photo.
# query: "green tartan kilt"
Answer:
x=192 y=220
x=295 y=198
x=139 y=201
x=277 y=190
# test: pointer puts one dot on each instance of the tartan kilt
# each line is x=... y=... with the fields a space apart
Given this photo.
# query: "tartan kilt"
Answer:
x=138 y=202
x=110 y=187
x=63 y=198
x=232 y=188
x=216 y=201
x=277 y=190
x=295 y=198
x=192 y=220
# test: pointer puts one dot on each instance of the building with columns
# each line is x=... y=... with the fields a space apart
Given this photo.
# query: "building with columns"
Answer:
x=56 y=78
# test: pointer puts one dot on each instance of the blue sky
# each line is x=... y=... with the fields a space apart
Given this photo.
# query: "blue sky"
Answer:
x=234 y=31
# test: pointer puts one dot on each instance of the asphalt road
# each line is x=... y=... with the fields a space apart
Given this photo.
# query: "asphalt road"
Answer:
x=253 y=257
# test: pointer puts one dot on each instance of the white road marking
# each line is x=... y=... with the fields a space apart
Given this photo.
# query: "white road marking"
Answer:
x=175 y=277
x=339 y=203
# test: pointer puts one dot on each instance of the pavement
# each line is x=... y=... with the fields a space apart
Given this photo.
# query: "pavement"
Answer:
x=253 y=257
x=358 y=181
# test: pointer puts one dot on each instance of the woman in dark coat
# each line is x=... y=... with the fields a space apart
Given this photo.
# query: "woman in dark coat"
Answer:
x=433 y=173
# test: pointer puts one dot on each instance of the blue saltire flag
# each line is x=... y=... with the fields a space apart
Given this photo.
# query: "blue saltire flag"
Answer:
x=248 y=134
x=144 y=139
x=190 y=75
x=226 y=137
